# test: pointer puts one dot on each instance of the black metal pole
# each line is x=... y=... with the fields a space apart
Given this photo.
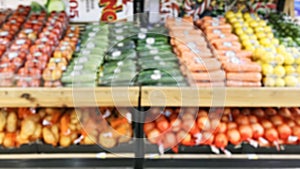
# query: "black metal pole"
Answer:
x=138 y=6
x=280 y=5
x=139 y=133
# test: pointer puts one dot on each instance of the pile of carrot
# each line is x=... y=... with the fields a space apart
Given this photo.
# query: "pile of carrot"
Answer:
x=195 y=55
x=240 y=70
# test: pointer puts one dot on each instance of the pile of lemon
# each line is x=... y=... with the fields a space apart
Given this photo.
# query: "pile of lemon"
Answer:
x=279 y=64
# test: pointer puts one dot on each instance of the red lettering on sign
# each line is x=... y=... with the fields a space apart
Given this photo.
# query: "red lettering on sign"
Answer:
x=110 y=10
x=73 y=8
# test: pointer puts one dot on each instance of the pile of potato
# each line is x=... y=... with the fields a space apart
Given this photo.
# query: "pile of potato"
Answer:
x=64 y=127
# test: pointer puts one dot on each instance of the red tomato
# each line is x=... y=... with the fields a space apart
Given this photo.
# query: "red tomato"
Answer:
x=23 y=72
x=22 y=83
x=35 y=83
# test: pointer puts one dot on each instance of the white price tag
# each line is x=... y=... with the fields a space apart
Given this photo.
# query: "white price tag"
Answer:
x=150 y=41
x=227 y=152
x=141 y=36
x=106 y=114
x=129 y=117
x=108 y=134
x=292 y=139
x=253 y=143
x=154 y=51
x=215 y=150
x=161 y=149
x=101 y=155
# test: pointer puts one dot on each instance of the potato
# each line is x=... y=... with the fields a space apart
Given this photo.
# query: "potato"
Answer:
x=78 y=127
x=55 y=131
x=126 y=138
x=2 y=120
x=49 y=137
x=2 y=135
x=12 y=121
x=9 y=140
x=51 y=111
x=74 y=118
x=27 y=128
x=72 y=127
x=89 y=140
x=35 y=117
x=20 y=141
x=42 y=113
x=73 y=136
x=106 y=140
x=37 y=133
x=65 y=141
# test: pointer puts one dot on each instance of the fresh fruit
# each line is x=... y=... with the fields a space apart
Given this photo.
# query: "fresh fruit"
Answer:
x=291 y=81
x=279 y=82
x=267 y=69
x=290 y=69
x=269 y=82
x=279 y=71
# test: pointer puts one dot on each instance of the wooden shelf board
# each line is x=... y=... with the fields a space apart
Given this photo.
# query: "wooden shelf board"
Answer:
x=69 y=97
x=220 y=97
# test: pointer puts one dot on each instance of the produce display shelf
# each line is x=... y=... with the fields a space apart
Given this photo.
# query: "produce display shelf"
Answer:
x=66 y=156
x=150 y=96
x=66 y=160
x=219 y=97
x=69 y=97
x=223 y=161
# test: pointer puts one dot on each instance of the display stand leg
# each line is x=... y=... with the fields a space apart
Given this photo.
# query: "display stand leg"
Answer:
x=139 y=133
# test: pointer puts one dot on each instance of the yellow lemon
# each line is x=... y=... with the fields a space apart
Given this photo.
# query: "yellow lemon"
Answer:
x=268 y=29
x=239 y=15
x=291 y=81
x=265 y=42
x=232 y=20
x=270 y=36
x=250 y=48
x=247 y=15
x=249 y=31
x=279 y=82
x=244 y=37
x=260 y=35
x=279 y=71
x=279 y=59
x=258 y=52
x=246 y=43
x=253 y=24
x=269 y=82
x=262 y=23
x=229 y=14
x=298 y=61
x=290 y=69
x=275 y=41
x=298 y=69
x=268 y=57
x=239 y=31
x=281 y=49
x=259 y=29
x=289 y=59
x=267 y=69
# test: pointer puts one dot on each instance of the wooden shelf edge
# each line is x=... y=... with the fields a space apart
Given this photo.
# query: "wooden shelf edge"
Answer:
x=220 y=97
x=69 y=97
